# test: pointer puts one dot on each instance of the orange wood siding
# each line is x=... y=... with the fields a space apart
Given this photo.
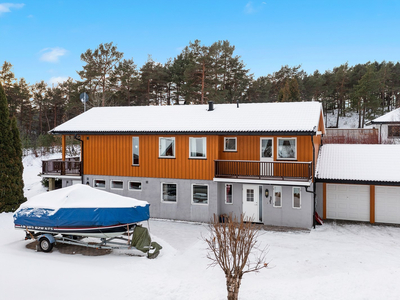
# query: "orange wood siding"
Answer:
x=112 y=155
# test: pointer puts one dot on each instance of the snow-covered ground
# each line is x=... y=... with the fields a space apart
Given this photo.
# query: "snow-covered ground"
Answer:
x=331 y=262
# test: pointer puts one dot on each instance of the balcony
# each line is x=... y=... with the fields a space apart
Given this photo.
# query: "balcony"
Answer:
x=69 y=167
x=261 y=170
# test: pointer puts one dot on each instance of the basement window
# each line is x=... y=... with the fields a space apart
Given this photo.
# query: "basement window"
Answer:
x=99 y=183
x=135 y=185
x=200 y=194
x=228 y=193
x=168 y=192
x=117 y=185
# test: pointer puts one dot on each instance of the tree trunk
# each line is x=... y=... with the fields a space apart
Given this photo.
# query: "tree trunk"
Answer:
x=233 y=285
x=203 y=82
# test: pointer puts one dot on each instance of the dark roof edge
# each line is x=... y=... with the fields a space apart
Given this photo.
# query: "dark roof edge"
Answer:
x=386 y=122
x=284 y=133
x=352 y=181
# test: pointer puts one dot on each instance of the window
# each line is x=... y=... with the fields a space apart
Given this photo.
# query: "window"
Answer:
x=197 y=147
x=167 y=147
x=250 y=195
x=117 y=184
x=168 y=192
x=199 y=194
x=230 y=144
x=287 y=148
x=296 y=197
x=394 y=131
x=228 y=193
x=99 y=183
x=135 y=185
x=277 y=197
x=135 y=151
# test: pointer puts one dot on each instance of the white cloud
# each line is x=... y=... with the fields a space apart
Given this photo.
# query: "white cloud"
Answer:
x=52 y=54
x=249 y=9
x=56 y=80
x=6 y=7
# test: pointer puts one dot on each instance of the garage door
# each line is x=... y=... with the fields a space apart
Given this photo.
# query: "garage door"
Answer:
x=347 y=202
x=387 y=204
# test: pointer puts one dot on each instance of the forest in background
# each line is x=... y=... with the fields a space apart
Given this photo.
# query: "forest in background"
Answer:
x=197 y=75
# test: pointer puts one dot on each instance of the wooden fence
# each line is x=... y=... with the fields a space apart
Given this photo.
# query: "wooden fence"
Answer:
x=351 y=136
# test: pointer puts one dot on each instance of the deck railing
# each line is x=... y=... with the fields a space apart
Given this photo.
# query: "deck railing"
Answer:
x=249 y=169
x=70 y=166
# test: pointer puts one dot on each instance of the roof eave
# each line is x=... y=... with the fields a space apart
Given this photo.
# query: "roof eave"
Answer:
x=283 y=133
x=355 y=181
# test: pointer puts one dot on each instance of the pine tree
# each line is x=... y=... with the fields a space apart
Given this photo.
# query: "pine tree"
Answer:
x=11 y=186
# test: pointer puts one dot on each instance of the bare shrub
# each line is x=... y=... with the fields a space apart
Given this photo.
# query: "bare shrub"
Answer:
x=234 y=247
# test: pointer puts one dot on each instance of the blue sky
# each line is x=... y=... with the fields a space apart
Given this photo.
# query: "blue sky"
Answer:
x=44 y=39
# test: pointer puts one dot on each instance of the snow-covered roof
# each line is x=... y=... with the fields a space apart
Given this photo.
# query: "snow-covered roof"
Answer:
x=390 y=117
x=362 y=162
x=257 y=117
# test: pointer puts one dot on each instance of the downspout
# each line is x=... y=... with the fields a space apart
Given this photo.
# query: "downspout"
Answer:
x=313 y=176
x=78 y=138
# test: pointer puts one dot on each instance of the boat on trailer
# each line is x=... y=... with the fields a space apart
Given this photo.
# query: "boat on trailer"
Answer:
x=70 y=214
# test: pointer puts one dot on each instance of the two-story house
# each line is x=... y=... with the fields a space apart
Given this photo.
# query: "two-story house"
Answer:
x=192 y=161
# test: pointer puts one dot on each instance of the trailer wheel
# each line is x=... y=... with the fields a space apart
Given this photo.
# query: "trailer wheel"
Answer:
x=45 y=245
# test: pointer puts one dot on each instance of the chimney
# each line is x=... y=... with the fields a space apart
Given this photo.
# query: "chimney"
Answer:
x=210 y=106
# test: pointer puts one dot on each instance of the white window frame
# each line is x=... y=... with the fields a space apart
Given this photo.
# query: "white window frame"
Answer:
x=129 y=184
x=230 y=203
x=208 y=194
x=176 y=196
x=277 y=148
x=159 y=147
x=133 y=163
x=295 y=187
x=114 y=188
x=230 y=150
x=94 y=184
x=273 y=196
x=204 y=147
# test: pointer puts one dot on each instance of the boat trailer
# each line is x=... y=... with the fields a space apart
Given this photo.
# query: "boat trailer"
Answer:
x=136 y=238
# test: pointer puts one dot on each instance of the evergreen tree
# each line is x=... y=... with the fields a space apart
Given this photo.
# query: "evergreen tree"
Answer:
x=11 y=185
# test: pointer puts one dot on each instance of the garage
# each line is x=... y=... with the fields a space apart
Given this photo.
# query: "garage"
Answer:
x=387 y=204
x=348 y=202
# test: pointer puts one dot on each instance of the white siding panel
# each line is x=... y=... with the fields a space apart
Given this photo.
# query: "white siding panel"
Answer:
x=387 y=204
x=348 y=202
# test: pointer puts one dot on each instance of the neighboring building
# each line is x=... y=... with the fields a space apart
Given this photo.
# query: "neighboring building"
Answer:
x=389 y=127
x=359 y=183
x=192 y=161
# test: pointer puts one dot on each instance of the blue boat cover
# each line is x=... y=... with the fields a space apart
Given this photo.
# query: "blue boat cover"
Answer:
x=53 y=209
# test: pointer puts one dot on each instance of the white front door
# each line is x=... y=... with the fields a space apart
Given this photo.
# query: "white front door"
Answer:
x=266 y=155
x=251 y=202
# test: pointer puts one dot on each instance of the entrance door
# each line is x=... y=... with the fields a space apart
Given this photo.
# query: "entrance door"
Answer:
x=251 y=202
x=266 y=156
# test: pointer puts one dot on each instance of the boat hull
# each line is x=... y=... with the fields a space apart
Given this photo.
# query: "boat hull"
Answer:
x=97 y=232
